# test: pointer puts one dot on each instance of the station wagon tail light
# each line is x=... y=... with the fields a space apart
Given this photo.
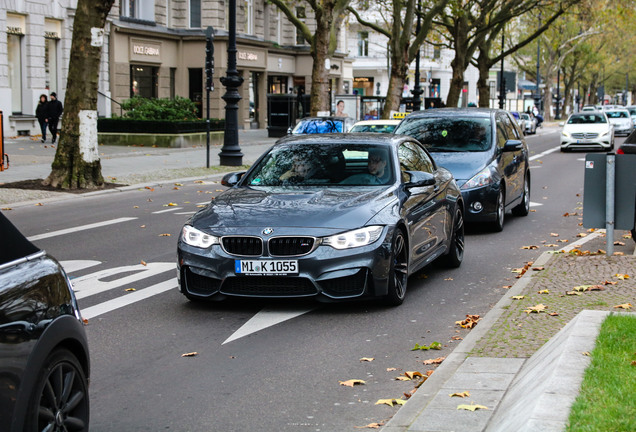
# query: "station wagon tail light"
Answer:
x=620 y=151
x=194 y=237
x=482 y=178
x=356 y=238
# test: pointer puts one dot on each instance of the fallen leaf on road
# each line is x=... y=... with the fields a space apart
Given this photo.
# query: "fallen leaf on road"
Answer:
x=190 y=354
x=507 y=286
x=621 y=276
x=413 y=374
x=438 y=360
x=552 y=245
x=545 y=291
x=388 y=402
x=130 y=289
x=471 y=407
x=352 y=382
x=165 y=235
x=448 y=279
x=554 y=234
x=178 y=184
x=7 y=209
x=391 y=369
x=618 y=253
x=581 y=235
x=367 y=359
x=532 y=247
x=198 y=181
x=623 y=306
x=370 y=426
x=143 y=263
x=461 y=395
x=171 y=204
x=470 y=322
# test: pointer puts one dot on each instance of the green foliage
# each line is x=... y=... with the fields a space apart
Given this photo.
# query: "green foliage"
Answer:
x=433 y=346
x=177 y=109
x=606 y=401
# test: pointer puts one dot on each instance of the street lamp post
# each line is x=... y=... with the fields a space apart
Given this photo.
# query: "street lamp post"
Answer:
x=417 y=89
x=538 y=73
x=230 y=154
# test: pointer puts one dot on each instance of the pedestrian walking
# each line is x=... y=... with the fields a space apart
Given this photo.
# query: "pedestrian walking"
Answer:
x=55 y=110
x=41 y=112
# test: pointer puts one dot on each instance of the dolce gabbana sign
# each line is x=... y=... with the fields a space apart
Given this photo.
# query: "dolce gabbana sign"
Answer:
x=145 y=51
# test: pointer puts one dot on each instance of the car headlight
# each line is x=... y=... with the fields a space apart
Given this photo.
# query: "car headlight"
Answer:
x=605 y=134
x=482 y=178
x=352 y=239
x=194 y=237
x=565 y=134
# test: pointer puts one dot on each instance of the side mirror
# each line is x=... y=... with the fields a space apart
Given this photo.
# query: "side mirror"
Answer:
x=561 y=124
x=420 y=179
x=513 y=145
x=232 y=179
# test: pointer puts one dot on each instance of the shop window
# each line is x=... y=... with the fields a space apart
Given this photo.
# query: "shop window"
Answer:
x=50 y=64
x=15 y=71
x=277 y=84
x=195 y=88
x=143 y=10
x=363 y=44
x=173 y=80
x=300 y=14
x=195 y=13
x=144 y=81
x=435 y=88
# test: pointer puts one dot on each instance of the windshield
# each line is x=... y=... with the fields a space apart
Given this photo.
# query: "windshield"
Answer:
x=374 y=128
x=617 y=114
x=586 y=119
x=456 y=134
x=323 y=165
x=318 y=126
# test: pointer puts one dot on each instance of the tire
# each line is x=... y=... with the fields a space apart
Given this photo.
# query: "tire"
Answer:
x=498 y=224
x=523 y=209
x=398 y=271
x=59 y=401
x=455 y=254
x=634 y=234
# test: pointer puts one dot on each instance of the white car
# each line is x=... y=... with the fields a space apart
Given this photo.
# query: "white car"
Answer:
x=383 y=126
x=587 y=130
x=529 y=122
x=632 y=113
x=622 y=121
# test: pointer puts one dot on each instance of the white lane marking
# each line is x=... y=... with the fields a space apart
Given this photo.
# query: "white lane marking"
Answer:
x=77 y=265
x=186 y=213
x=266 y=318
x=547 y=152
x=168 y=210
x=125 y=300
x=535 y=204
x=80 y=228
x=91 y=284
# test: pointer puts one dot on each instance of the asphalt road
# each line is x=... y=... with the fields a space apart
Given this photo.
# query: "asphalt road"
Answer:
x=271 y=366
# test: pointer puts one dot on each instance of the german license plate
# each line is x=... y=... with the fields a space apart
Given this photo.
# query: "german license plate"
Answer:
x=266 y=267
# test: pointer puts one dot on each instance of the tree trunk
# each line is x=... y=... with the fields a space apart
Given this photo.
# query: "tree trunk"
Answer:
x=320 y=52
x=483 y=65
x=457 y=81
x=397 y=78
x=76 y=164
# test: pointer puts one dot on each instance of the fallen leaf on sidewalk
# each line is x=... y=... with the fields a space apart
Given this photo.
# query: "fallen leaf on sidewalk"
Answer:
x=570 y=293
x=623 y=306
x=553 y=314
x=545 y=291
x=352 y=382
x=619 y=243
x=538 y=268
x=519 y=297
x=610 y=283
x=536 y=309
x=472 y=407
x=461 y=395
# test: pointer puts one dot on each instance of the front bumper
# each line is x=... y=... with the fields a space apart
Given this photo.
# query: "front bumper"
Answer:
x=480 y=204
x=326 y=274
x=598 y=143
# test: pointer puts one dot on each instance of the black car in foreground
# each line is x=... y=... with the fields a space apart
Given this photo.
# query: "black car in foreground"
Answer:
x=331 y=217
x=486 y=153
x=44 y=361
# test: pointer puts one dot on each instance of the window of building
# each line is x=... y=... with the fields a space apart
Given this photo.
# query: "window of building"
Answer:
x=143 y=10
x=248 y=14
x=277 y=84
x=173 y=81
x=195 y=13
x=144 y=81
x=50 y=64
x=15 y=71
x=300 y=14
x=363 y=44
x=437 y=53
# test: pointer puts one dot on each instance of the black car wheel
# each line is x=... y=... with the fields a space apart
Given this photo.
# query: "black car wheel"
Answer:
x=455 y=254
x=524 y=208
x=398 y=273
x=60 y=400
x=498 y=224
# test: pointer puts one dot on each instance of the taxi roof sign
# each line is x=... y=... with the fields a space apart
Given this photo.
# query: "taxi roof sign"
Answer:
x=398 y=115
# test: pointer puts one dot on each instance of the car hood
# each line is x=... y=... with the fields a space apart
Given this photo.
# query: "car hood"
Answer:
x=582 y=128
x=335 y=208
x=463 y=165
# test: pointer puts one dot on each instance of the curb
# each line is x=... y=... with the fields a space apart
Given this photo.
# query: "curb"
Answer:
x=417 y=403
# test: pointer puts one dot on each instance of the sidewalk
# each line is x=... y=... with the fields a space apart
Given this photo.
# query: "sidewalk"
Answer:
x=526 y=368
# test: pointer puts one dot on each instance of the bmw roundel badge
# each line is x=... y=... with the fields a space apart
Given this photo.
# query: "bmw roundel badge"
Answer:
x=268 y=231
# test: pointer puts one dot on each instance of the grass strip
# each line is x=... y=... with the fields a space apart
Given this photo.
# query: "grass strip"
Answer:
x=606 y=401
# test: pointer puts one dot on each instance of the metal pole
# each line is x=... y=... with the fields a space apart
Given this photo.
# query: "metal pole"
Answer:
x=558 y=114
x=610 y=173
x=209 y=86
x=230 y=154
x=502 y=84
x=417 y=89
x=538 y=73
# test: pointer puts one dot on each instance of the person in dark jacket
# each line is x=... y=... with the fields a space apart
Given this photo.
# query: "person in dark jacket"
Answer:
x=55 y=109
x=41 y=112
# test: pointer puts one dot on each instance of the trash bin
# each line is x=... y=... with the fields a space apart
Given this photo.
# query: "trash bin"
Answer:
x=4 y=158
x=281 y=113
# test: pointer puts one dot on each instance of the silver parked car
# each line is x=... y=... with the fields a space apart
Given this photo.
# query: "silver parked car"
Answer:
x=622 y=121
